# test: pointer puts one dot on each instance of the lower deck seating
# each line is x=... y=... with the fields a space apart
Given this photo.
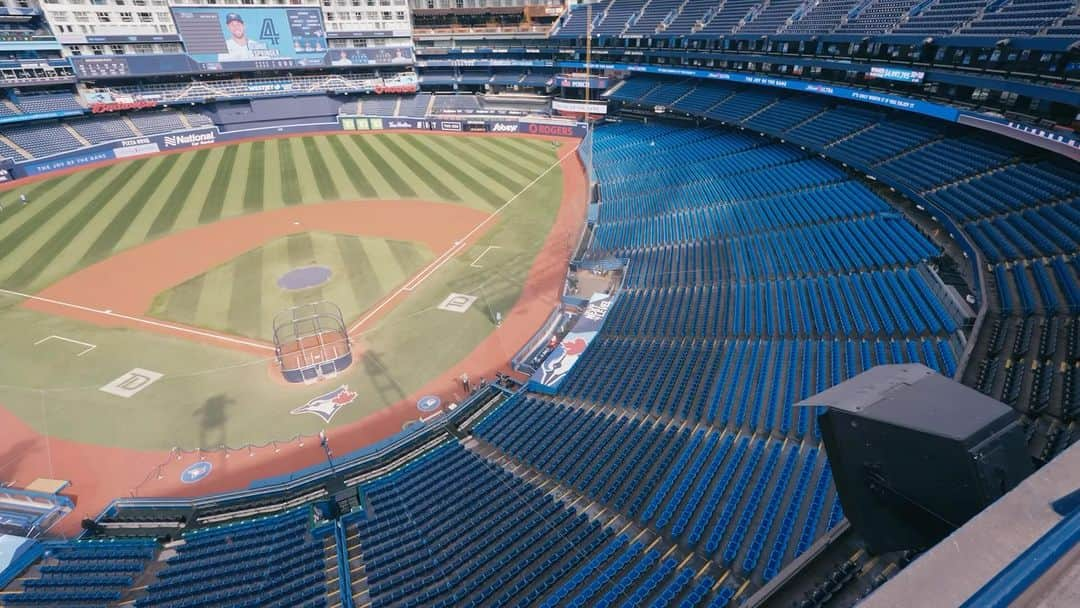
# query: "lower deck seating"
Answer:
x=271 y=561
x=82 y=573
x=153 y=123
x=453 y=529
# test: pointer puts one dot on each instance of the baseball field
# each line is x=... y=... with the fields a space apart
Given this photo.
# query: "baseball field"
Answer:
x=136 y=298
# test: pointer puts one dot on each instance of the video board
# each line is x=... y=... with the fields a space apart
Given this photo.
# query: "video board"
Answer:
x=245 y=38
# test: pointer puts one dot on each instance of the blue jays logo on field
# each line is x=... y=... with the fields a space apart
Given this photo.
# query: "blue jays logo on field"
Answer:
x=269 y=33
x=196 y=471
x=325 y=406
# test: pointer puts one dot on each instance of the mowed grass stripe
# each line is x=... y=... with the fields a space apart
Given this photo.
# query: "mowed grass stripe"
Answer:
x=245 y=301
x=62 y=237
x=234 y=194
x=361 y=273
x=435 y=184
x=383 y=189
x=69 y=256
x=465 y=196
x=253 y=192
x=388 y=271
x=323 y=180
x=290 y=181
x=522 y=148
x=166 y=217
x=353 y=172
x=120 y=223
x=301 y=251
x=271 y=177
x=44 y=214
x=481 y=164
x=183 y=301
x=400 y=186
x=471 y=183
x=415 y=182
x=337 y=171
x=13 y=207
x=407 y=255
x=215 y=197
x=472 y=164
x=213 y=302
x=305 y=175
x=515 y=162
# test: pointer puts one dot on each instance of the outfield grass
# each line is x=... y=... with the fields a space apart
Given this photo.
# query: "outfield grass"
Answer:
x=78 y=219
x=211 y=396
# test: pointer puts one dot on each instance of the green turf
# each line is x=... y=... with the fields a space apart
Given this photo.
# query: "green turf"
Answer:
x=364 y=270
x=256 y=173
x=101 y=211
x=83 y=217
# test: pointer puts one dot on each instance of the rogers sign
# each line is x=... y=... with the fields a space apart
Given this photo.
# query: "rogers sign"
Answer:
x=559 y=130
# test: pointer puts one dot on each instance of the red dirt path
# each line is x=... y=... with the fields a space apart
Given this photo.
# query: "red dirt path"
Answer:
x=100 y=473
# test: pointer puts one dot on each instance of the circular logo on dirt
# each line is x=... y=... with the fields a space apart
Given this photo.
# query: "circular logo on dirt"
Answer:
x=428 y=403
x=196 y=472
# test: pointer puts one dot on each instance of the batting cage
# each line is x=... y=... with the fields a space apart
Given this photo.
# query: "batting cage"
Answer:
x=311 y=341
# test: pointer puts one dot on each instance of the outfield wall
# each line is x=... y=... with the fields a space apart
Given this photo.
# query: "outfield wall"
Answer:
x=529 y=126
x=181 y=140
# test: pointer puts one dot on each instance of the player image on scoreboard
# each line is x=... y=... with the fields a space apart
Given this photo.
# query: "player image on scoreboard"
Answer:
x=258 y=37
x=240 y=47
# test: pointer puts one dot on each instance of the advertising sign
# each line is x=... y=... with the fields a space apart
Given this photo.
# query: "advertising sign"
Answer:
x=125 y=148
x=531 y=126
x=581 y=81
x=383 y=55
x=897 y=74
x=578 y=107
x=936 y=110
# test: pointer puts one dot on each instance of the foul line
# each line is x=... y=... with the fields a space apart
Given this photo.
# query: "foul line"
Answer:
x=116 y=315
x=440 y=261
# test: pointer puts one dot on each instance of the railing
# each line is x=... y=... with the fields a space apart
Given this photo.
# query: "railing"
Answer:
x=344 y=575
x=920 y=7
x=378 y=455
x=1029 y=566
x=483 y=29
x=858 y=9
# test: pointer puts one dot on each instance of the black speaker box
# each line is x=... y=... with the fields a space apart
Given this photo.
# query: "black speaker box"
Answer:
x=914 y=455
